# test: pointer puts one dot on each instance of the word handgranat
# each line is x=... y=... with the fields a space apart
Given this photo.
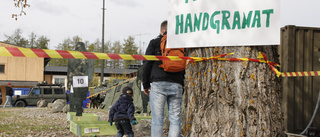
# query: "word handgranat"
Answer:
x=202 y=21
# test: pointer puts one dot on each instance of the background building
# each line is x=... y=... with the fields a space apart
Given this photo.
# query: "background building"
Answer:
x=19 y=71
x=24 y=72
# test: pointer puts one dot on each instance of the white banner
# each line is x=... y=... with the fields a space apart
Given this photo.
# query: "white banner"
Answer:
x=206 y=23
x=80 y=81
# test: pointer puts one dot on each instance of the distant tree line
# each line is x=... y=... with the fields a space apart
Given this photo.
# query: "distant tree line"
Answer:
x=33 y=41
x=42 y=42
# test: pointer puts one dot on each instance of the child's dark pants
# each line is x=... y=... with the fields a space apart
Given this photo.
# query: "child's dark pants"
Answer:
x=124 y=126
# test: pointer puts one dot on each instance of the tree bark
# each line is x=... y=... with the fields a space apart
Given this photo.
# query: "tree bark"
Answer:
x=232 y=98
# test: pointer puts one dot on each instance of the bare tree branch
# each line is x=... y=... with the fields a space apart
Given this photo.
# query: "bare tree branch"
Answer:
x=22 y=4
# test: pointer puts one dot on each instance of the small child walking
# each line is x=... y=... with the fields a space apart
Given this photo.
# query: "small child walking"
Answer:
x=122 y=112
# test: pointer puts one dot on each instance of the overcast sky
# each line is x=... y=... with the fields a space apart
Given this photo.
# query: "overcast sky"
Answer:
x=60 y=19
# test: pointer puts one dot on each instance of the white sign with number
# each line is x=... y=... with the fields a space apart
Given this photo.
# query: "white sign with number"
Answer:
x=80 y=81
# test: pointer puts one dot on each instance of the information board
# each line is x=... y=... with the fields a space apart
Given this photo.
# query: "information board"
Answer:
x=206 y=23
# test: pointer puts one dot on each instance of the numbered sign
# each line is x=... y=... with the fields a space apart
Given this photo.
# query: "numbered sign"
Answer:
x=80 y=81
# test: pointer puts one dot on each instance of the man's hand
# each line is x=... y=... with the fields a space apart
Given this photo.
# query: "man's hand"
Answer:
x=146 y=91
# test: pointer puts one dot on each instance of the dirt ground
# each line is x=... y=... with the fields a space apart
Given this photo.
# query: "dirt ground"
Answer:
x=36 y=122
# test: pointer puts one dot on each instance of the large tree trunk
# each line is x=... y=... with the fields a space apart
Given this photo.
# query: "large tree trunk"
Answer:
x=224 y=98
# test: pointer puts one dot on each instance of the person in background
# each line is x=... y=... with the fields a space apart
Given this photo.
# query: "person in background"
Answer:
x=9 y=94
x=166 y=87
x=122 y=112
x=0 y=95
x=95 y=101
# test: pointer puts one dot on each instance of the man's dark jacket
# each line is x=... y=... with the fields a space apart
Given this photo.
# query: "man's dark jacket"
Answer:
x=151 y=70
x=9 y=91
x=123 y=109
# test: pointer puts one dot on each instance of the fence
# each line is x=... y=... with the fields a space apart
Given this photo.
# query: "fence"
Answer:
x=300 y=51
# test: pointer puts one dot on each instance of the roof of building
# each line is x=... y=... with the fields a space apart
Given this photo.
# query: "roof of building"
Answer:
x=3 y=44
x=18 y=83
x=96 y=70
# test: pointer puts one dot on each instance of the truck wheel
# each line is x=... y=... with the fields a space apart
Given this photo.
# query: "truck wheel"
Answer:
x=54 y=100
x=20 y=103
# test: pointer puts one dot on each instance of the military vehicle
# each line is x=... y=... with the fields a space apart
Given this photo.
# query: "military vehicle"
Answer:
x=0 y=97
x=48 y=92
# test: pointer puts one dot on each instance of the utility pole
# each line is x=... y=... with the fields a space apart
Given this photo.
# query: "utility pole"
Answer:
x=102 y=61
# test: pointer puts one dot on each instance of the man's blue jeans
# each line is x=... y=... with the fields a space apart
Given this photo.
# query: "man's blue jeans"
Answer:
x=8 y=100
x=161 y=93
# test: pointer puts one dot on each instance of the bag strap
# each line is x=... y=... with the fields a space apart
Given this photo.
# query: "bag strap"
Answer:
x=163 y=47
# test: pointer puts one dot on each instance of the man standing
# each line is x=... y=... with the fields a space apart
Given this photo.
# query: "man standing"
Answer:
x=0 y=96
x=166 y=87
x=9 y=94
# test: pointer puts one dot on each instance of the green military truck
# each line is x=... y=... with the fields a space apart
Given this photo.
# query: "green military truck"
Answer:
x=48 y=92
x=0 y=97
